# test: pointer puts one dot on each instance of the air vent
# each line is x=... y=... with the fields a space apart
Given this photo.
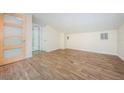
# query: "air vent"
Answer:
x=104 y=36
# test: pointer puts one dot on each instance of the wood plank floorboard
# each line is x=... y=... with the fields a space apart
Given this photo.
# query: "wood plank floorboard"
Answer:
x=65 y=65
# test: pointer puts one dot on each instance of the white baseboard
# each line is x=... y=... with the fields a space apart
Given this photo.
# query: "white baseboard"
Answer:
x=122 y=58
x=52 y=50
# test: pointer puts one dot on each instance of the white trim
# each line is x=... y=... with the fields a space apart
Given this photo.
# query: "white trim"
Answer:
x=122 y=58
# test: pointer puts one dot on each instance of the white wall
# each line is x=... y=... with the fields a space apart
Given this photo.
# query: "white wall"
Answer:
x=91 y=42
x=51 y=39
x=121 y=42
x=62 y=40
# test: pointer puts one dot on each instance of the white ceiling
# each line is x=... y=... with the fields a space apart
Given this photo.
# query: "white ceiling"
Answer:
x=80 y=22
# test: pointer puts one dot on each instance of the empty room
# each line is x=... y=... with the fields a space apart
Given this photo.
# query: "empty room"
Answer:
x=61 y=46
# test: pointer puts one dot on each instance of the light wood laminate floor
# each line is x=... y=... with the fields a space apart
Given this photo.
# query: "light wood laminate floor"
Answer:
x=65 y=65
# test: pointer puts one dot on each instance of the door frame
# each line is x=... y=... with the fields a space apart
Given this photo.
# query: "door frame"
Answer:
x=1 y=37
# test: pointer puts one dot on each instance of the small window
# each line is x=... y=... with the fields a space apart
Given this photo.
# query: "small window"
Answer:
x=104 y=36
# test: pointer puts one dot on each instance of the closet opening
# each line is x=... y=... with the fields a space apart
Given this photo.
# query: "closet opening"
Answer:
x=36 y=38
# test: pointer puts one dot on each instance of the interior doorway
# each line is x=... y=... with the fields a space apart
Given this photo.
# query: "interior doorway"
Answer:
x=36 y=36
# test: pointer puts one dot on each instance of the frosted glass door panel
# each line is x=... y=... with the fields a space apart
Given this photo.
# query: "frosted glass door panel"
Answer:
x=12 y=53
x=12 y=31
x=12 y=41
x=12 y=19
